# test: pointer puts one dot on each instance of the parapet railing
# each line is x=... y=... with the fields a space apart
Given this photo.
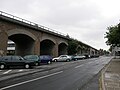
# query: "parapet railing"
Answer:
x=31 y=23
x=35 y=25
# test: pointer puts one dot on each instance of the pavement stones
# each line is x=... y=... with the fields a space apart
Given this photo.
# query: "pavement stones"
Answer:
x=111 y=76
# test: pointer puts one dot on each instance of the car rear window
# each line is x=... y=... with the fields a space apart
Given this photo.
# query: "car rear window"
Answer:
x=45 y=57
x=41 y=57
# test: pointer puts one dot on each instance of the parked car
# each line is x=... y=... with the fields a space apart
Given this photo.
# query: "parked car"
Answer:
x=73 y=58
x=34 y=58
x=45 y=59
x=62 y=58
x=87 y=56
x=78 y=57
x=7 y=61
x=94 y=56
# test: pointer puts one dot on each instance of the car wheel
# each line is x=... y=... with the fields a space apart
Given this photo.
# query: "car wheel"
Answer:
x=55 y=60
x=75 y=60
x=2 y=66
x=67 y=60
x=36 y=63
x=27 y=66
x=49 y=62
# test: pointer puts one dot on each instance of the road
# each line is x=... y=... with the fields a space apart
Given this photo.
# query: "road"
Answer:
x=74 y=75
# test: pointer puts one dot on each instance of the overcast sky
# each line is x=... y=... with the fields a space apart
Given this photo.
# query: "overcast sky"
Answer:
x=85 y=20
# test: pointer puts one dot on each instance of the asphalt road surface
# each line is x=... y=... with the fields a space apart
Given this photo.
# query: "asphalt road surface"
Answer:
x=74 y=75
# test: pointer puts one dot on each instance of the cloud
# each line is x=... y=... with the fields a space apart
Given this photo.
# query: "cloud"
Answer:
x=68 y=14
x=85 y=20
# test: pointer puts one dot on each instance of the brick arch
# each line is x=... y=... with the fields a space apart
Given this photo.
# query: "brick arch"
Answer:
x=47 y=47
x=21 y=31
x=24 y=41
x=63 y=42
x=62 y=48
x=48 y=39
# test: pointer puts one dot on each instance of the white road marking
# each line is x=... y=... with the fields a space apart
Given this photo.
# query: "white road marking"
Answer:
x=20 y=70
x=63 y=64
x=7 y=71
x=90 y=62
x=30 y=80
x=79 y=66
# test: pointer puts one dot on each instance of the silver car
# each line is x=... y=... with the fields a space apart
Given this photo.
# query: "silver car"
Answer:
x=77 y=57
x=62 y=58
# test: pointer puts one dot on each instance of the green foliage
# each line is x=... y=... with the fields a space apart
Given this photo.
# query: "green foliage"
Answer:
x=113 y=35
x=110 y=49
x=75 y=46
x=72 y=47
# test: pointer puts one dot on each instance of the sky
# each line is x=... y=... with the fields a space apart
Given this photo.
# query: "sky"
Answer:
x=84 y=20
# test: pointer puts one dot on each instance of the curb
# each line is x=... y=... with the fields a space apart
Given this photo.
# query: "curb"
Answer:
x=101 y=79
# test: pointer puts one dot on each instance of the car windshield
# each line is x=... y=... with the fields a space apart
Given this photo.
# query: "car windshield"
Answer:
x=63 y=56
x=21 y=58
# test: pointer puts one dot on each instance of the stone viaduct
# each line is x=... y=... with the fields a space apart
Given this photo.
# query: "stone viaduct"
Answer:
x=30 y=38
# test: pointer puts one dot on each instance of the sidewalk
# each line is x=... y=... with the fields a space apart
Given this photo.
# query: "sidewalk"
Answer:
x=111 y=76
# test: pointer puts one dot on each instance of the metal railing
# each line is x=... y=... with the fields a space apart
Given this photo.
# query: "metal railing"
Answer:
x=31 y=23
x=36 y=25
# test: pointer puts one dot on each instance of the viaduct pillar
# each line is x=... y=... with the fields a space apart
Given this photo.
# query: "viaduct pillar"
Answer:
x=37 y=47
x=3 y=42
x=55 y=50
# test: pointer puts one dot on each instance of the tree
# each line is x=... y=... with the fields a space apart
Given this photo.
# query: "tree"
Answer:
x=113 y=35
x=72 y=47
x=76 y=47
x=110 y=49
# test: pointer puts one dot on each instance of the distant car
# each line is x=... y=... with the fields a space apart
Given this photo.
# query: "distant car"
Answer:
x=45 y=59
x=73 y=58
x=62 y=58
x=78 y=57
x=87 y=56
x=94 y=56
x=34 y=58
x=7 y=61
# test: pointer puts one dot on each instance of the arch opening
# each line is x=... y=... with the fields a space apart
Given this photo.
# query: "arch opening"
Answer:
x=62 y=49
x=24 y=44
x=47 y=47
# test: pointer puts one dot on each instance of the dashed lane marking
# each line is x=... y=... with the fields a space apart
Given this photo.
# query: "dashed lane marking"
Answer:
x=90 y=62
x=7 y=72
x=20 y=70
x=79 y=66
x=14 y=85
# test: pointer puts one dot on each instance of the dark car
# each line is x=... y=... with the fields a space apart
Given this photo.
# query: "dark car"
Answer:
x=34 y=58
x=45 y=59
x=7 y=61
